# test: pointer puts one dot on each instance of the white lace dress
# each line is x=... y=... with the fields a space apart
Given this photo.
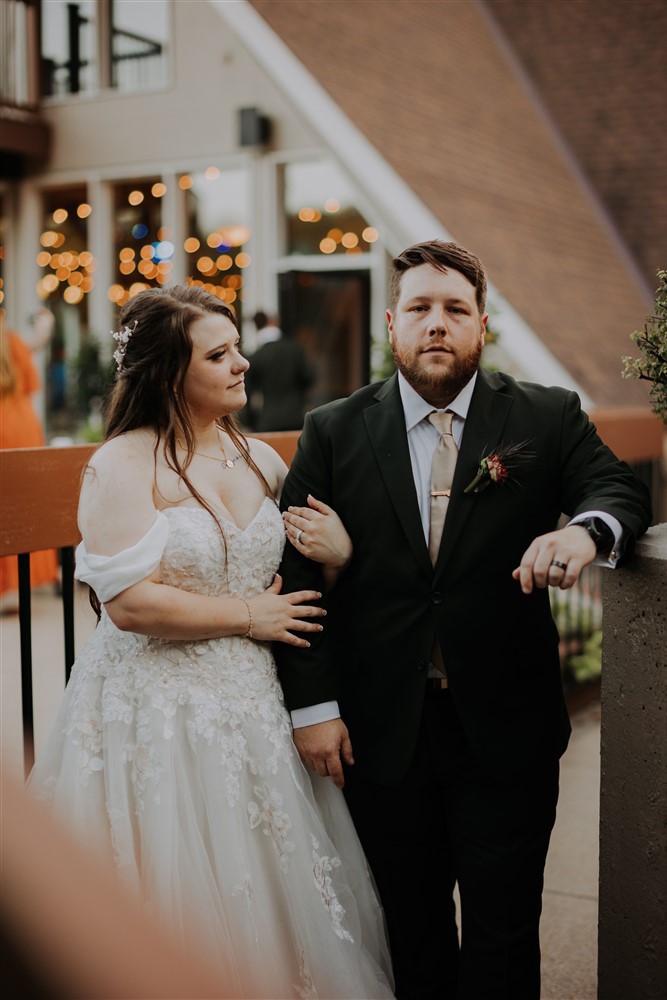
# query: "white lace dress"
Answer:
x=176 y=759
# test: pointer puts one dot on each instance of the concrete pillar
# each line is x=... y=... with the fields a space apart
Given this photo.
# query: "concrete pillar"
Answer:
x=632 y=942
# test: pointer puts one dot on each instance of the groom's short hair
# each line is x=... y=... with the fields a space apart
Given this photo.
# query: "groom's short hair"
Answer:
x=442 y=256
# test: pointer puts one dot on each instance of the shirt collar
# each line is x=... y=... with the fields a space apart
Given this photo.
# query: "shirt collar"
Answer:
x=268 y=334
x=417 y=409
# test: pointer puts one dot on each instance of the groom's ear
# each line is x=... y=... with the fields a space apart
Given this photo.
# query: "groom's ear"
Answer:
x=390 y=323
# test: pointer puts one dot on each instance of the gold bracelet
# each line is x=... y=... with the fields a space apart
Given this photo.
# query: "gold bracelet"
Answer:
x=248 y=632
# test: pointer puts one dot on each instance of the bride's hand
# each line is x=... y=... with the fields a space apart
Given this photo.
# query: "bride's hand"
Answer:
x=317 y=532
x=275 y=616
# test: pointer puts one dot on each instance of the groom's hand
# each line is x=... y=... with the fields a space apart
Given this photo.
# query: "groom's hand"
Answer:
x=322 y=746
x=556 y=559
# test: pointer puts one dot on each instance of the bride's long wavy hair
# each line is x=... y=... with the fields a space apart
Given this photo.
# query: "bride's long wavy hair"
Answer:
x=148 y=391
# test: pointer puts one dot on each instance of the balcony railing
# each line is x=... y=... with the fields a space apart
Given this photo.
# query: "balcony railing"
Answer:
x=19 y=52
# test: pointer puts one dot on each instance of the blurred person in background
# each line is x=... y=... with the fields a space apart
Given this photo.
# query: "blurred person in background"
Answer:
x=279 y=376
x=20 y=427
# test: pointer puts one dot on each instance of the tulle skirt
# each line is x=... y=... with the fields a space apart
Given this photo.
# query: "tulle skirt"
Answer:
x=180 y=767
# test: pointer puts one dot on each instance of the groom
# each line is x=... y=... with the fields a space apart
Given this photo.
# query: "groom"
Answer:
x=434 y=692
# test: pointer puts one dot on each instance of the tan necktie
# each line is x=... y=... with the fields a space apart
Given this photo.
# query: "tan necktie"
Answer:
x=442 y=476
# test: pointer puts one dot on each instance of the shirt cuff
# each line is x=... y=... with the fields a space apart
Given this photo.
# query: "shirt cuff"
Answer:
x=617 y=529
x=314 y=714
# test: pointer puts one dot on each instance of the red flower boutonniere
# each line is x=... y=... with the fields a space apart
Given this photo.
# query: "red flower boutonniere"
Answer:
x=498 y=466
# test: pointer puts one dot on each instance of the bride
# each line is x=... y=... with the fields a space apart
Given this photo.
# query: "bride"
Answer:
x=172 y=751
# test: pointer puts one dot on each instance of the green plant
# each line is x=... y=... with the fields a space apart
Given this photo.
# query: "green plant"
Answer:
x=91 y=433
x=587 y=665
x=93 y=376
x=652 y=342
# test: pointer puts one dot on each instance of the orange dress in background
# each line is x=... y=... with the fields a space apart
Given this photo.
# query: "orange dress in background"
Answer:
x=20 y=428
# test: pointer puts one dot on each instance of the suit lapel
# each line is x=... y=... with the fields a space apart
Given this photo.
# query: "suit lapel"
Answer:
x=482 y=434
x=385 y=423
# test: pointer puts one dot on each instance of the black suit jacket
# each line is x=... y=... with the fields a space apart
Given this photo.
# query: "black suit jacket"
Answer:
x=500 y=646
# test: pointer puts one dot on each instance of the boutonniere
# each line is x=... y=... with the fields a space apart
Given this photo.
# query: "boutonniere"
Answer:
x=498 y=466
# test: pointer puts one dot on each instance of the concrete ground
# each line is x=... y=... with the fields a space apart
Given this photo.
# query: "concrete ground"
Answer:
x=569 y=921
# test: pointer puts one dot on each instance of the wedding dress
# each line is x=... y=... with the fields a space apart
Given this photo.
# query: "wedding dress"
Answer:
x=176 y=759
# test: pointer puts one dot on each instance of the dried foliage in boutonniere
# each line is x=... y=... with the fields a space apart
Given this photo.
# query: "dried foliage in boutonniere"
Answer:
x=499 y=466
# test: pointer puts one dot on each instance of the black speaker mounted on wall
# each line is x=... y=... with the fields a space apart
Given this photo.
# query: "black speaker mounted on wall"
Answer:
x=254 y=129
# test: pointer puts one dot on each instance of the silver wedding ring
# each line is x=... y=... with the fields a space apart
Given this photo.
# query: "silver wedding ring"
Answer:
x=557 y=562
x=298 y=536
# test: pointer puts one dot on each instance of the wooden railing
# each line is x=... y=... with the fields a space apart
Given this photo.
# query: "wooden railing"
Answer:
x=39 y=489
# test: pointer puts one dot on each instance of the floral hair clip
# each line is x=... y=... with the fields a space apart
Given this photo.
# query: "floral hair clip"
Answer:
x=497 y=467
x=122 y=336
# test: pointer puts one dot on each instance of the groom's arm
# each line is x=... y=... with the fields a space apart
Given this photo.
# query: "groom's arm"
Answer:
x=311 y=678
x=594 y=483
x=593 y=480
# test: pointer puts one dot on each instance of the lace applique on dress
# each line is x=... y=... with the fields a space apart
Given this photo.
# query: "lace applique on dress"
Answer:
x=177 y=757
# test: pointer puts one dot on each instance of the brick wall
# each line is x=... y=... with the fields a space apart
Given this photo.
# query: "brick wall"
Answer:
x=431 y=86
x=601 y=68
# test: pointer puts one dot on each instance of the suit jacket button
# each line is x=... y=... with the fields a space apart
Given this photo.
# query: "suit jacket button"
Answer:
x=436 y=598
x=421 y=666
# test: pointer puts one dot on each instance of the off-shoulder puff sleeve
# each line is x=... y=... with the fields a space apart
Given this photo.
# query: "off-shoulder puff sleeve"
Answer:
x=110 y=575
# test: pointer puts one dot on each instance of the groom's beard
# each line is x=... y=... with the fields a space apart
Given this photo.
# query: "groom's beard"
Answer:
x=438 y=388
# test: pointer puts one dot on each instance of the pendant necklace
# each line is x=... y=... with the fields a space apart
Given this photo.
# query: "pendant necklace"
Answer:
x=226 y=463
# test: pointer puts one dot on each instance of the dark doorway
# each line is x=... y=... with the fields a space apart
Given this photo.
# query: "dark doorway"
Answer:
x=329 y=314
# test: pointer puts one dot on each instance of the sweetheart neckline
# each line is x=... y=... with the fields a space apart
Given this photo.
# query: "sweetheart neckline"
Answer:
x=227 y=520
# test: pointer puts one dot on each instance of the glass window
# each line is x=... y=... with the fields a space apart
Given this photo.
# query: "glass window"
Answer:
x=90 y=45
x=139 y=32
x=75 y=376
x=69 y=47
x=319 y=211
x=66 y=264
x=218 y=244
x=143 y=250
